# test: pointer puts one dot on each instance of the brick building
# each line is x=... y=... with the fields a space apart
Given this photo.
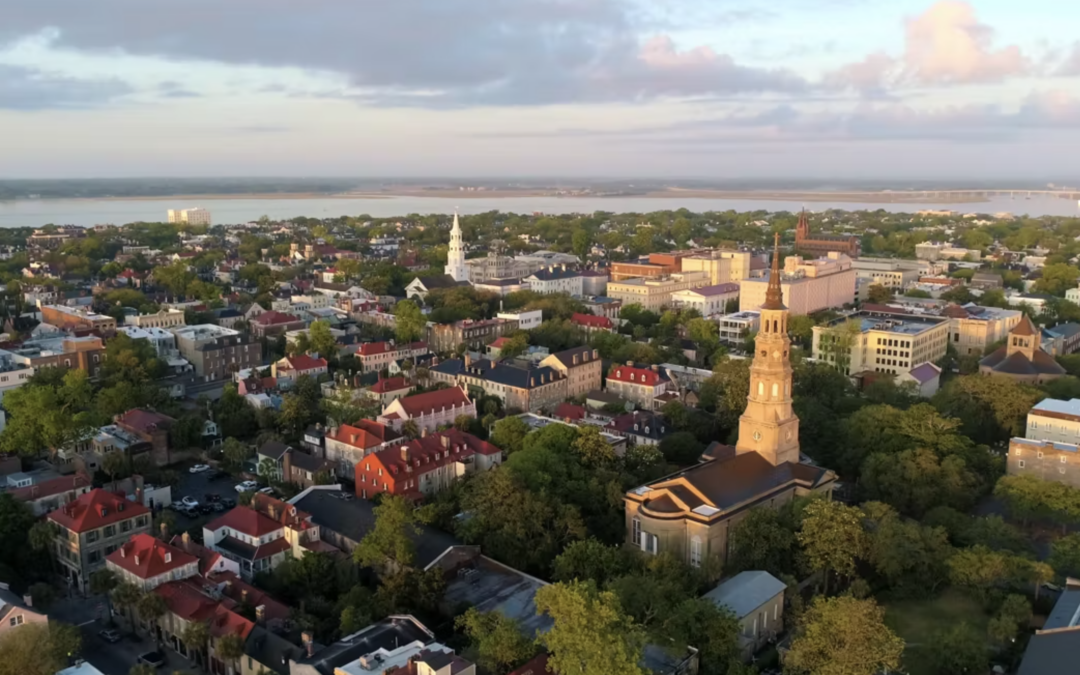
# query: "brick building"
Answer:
x=421 y=467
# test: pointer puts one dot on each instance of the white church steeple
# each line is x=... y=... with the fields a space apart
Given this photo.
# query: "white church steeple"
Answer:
x=455 y=259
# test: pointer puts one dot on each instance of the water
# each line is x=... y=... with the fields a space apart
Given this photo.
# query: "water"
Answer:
x=88 y=212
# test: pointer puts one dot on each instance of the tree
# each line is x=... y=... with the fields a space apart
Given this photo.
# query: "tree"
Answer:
x=175 y=278
x=196 y=636
x=591 y=560
x=114 y=463
x=593 y=449
x=581 y=243
x=760 y=541
x=508 y=434
x=42 y=537
x=48 y=413
x=843 y=636
x=906 y=554
x=410 y=429
x=957 y=650
x=229 y=648
x=701 y=624
x=879 y=295
x=235 y=453
x=390 y=540
x=151 y=607
x=496 y=641
x=322 y=340
x=915 y=481
x=992 y=409
x=1012 y=616
x=832 y=536
x=1065 y=555
x=681 y=448
x=1057 y=278
x=591 y=635
x=38 y=648
x=836 y=343
x=103 y=582
x=409 y=322
x=126 y=596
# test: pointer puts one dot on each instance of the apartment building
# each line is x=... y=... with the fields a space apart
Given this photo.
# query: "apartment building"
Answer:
x=808 y=285
x=972 y=329
x=594 y=282
x=881 y=342
x=261 y=536
x=61 y=351
x=347 y=444
x=163 y=341
x=49 y=495
x=637 y=384
x=655 y=294
x=194 y=216
x=166 y=318
x=444 y=337
x=722 y=266
x=77 y=318
x=1049 y=449
x=375 y=357
x=555 y=280
x=424 y=466
x=275 y=323
x=523 y=386
x=90 y=528
x=581 y=366
x=429 y=410
x=217 y=352
x=526 y=320
x=934 y=251
x=734 y=328
x=1055 y=420
x=707 y=300
x=894 y=274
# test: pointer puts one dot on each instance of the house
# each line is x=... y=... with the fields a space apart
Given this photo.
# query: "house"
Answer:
x=591 y=323
x=1052 y=650
x=17 y=611
x=421 y=286
x=641 y=427
x=376 y=650
x=91 y=527
x=346 y=444
x=926 y=378
x=291 y=368
x=386 y=390
x=556 y=280
x=269 y=459
x=640 y=385
x=377 y=356
x=149 y=427
x=274 y=323
x=707 y=300
x=305 y=470
x=147 y=562
x=260 y=536
x=473 y=334
x=1022 y=358
x=210 y=561
x=49 y=495
x=582 y=368
x=434 y=660
x=519 y=385
x=428 y=410
x=756 y=599
x=423 y=466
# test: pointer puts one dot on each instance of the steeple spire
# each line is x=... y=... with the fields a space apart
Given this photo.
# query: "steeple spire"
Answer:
x=774 y=296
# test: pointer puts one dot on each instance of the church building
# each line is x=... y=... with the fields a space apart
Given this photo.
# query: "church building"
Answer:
x=820 y=245
x=455 y=259
x=690 y=513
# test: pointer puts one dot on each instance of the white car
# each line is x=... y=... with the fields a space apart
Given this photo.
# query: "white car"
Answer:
x=247 y=486
x=190 y=502
x=267 y=490
x=199 y=468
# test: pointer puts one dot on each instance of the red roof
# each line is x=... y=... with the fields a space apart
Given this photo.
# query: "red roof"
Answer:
x=375 y=348
x=591 y=321
x=390 y=384
x=187 y=600
x=359 y=436
x=634 y=375
x=144 y=421
x=273 y=318
x=304 y=362
x=434 y=401
x=499 y=343
x=422 y=456
x=265 y=515
x=241 y=592
x=207 y=557
x=537 y=666
x=569 y=411
x=95 y=509
x=50 y=488
x=147 y=557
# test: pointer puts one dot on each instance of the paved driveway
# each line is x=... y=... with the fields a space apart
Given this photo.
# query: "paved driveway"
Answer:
x=199 y=485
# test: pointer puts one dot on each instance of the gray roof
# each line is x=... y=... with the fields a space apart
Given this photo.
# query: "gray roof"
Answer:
x=1052 y=650
x=353 y=519
x=272 y=651
x=494 y=586
x=388 y=634
x=746 y=591
x=273 y=449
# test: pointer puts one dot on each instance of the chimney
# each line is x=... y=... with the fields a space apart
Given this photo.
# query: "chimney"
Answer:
x=309 y=644
x=630 y=364
x=656 y=368
x=164 y=531
x=28 y=600
x=405 y=453
x=595 y=354
x=123 y=550
x=260 y=614
x=445 y=441
x=136 y=559
x=468 y=360
x=243 y=595
x=186 y=539
x=423 y=432
x=575 y=359
x=168 y=557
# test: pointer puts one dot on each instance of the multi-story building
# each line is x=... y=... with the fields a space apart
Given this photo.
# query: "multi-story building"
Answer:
x=347 y=444
x=291 y=368
x=1054 y=420
x=707 y=300
x=150 y=430
x=261 y=536
x=275 y=323
x=640 y=385
x=522 y=387
x=823 y=244
x=445 y=337
x=424 y=466
x=894 y=274
x=193 y=216
x=929 y=250
x=603 y=306
x=494 y=266
x=881 y=342
x=1022 y=358
x=555 y=280
x=809 y=285
x=51 y=494
x=722 y=266
x=590 y=323
x=62 y=351
x=621 y=271
x=164 y=341
x=217 y=352
x=377 y=356
x=146 y=562
x=972 y=329
x=691 y=513
x=655 y=294
x=734 y=328
x=1049 y=449
x=90 y=528
x=389 y=388
x=13 y=373
x=166 y=318
x=502 y=287
x=77 y=318
x=594 y=282
x=53 y=237
x=428 y=410
x=527 y=320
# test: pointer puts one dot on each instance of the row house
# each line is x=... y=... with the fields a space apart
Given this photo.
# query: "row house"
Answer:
x=261 y=536
x=640 y=385
x=424 y=466
x=377 y=356
x=345 y=445
x=90 y=528
x=429 y=410
x=291 y=368
x=529 y=388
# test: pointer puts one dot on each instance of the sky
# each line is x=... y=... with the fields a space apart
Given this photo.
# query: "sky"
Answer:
x=820 y=89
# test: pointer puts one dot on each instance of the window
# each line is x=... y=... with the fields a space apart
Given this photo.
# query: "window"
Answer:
x=1061 y=469
x=95 y=556
x=125 y=526
x=140 y=521
x=1020 y=464
x=16 y=620
x=92 y=536
x=1063 y=459
x=1040 y=454
x=110 y=530
x=695 y=551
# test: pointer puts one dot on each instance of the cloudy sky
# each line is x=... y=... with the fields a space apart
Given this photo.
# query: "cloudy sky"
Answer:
x=691 y=88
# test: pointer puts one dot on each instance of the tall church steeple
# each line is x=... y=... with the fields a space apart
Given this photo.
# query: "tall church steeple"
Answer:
x=769 y=426
x=455 y=258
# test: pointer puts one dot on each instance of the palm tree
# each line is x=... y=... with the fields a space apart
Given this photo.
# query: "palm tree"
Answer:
x=125 y=596
x=142 y=669
x=42 y=538
x=151 y=607
x=114 y=463
x=195 y=637
x=422 y=374
x=410 y=429
x=104 y=582
x=230 y=648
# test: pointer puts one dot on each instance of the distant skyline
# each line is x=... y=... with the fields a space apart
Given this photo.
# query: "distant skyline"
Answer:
x=814 y=89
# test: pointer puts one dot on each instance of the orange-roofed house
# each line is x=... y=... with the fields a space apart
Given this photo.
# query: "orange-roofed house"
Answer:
x=424 y=466
x=429 y=410
x=374 y=356
x=640 y=385
x=195 y=600
x=52 y=494
x=210 y=561
x=348 y=443
x=91 y=527
x=261 y=536
x=289 y=369
x=148 y=562
x=591 y=323
x=275 y=323
x=387 y=389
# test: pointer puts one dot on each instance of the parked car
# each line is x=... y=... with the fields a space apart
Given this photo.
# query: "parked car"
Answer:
x=178 y=506
x=218 y=507
x=190 y=512
x=211 y=498
x=206 y=508
x=155 y=659
x=228 y=502
x=190 y=502
x=247 y=486
x=199 y=468
x=109 y=635
x=267 y=490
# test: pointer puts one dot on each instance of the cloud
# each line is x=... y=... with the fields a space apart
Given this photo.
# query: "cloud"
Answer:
x=30 y=90
x=1071 y=65
x=423 y=53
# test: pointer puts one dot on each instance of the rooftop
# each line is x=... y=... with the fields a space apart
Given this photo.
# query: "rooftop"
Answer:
x=386 y=635
x=746 y=591
x=95 y=509
x=1054 y=405
x=491 y=586
x=202 y=332
x=147 y=557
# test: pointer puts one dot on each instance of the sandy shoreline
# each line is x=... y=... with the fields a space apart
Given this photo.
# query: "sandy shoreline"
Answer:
x=673 y=193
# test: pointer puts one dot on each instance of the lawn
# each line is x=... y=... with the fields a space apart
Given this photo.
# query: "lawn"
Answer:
x=917 y=621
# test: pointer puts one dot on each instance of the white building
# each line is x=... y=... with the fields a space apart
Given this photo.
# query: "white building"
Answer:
x=707 y=300
x=164 y=341
x=195 y=216
x=526 y=320
x=455 y=259
x=735 y=327
x=556 y=280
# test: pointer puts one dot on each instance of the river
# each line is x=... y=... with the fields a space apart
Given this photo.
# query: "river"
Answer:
x=87 y=212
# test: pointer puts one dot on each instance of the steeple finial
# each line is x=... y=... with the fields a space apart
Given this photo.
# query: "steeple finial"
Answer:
x=774 y=296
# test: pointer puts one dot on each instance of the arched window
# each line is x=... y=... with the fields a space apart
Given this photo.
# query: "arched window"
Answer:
x=636 y=532
x=695 y=551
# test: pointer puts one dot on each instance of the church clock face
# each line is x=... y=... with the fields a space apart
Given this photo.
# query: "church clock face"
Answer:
x=757 y=435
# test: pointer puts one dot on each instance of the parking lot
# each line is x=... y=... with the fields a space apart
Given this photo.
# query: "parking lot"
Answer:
x=198 y=486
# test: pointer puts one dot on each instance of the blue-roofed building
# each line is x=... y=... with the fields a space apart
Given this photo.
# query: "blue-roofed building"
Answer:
x=756 y=598
x=556 y=279
x=1050 y=449
x=1053 y=648
x=519 y=384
